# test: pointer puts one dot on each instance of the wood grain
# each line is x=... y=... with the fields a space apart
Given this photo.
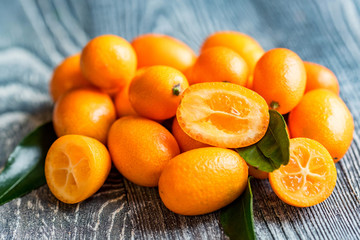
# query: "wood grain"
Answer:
x=35 y=35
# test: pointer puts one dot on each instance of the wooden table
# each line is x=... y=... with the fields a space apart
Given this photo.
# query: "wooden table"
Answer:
x=35 y=35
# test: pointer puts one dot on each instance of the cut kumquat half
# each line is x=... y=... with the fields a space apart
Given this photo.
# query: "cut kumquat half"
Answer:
x=223 y=114
x=310 y=176
x=76 y=167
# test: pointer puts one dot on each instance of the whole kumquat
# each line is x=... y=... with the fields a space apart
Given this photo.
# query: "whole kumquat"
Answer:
x=318 y=76
x=202 y=180
x=108 y=62
x=322 y=115
x=121 y=100
x=157 y=92
x=87 y=112
x=219 y=64
x=247 y=47
x=158 y=49
x=280 y=78
x=185 y=142
x=140 y=148
x=67 y=76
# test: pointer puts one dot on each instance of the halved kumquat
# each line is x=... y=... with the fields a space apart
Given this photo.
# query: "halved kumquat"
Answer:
x=223 y=114
x=310 y=176
x=76 y=167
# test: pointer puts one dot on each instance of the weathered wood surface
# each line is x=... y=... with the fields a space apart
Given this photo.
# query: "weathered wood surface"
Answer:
x=35 y=35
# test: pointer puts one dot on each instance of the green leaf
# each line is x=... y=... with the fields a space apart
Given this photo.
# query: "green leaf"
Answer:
x=237 y=219
x=24 y=170
x=272 y=150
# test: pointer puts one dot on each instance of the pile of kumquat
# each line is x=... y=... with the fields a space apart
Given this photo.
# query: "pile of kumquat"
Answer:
x=113 y=98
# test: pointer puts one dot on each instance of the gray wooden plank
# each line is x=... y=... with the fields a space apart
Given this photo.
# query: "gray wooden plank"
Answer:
x=39 y=33
x=39 y=215
x=151 y=219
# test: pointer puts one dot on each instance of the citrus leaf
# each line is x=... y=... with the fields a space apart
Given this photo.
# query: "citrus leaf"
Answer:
x=272 y=150
x=24 y=170
x=237 y=219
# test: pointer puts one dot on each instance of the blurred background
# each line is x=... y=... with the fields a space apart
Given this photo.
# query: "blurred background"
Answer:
x=36 y=35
